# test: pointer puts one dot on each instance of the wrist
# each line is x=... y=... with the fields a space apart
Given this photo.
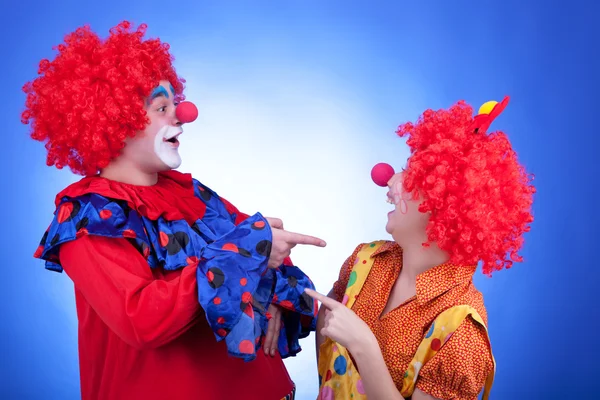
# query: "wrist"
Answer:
x=366 y=347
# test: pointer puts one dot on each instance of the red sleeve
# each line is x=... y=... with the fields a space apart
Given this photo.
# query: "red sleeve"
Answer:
x=231 y=209
x=145 y=308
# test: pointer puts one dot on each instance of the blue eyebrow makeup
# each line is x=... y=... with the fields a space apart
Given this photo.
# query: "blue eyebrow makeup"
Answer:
x=172 y=89
x=159 y=91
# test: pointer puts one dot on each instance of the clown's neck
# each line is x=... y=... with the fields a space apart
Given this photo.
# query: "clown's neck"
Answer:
x=417 y=259
x=119 y=171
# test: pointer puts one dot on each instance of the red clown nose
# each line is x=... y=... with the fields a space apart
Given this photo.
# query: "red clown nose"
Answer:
x=382 y=173
x=186 y=112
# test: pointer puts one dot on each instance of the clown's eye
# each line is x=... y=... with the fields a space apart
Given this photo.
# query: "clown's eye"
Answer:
x=163 y=108
x=176 y=104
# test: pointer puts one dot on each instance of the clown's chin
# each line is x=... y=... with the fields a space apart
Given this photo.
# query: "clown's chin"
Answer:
x=169 y=156
x=388 y=226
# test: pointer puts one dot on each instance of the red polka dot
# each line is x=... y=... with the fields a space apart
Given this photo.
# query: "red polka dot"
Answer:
x=220 y=320
x=247 y=297
x=163 y=238
x=230 y=247
x=364 y=261
x=129 y=233
x=328 y=375
x=81 y=232
x=221 y=332
x=275 y=298
x=105 y=214
x=436 y=344
x=217 y=300
x=243 y=281
x=259 y=224
x=210 y=276
x=287 y=304
x=65 y=212
x=38 y=252
x=246 y=347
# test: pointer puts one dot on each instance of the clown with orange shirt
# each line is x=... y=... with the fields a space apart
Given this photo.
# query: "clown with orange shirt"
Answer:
x=404 y=319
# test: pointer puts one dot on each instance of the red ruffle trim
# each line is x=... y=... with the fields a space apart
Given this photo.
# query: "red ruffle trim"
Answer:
x=172 y=197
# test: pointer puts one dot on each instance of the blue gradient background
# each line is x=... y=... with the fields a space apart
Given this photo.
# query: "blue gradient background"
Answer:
x=316 y=89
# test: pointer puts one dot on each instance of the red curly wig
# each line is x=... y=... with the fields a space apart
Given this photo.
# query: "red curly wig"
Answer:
x=89 y=99
x=478 y=194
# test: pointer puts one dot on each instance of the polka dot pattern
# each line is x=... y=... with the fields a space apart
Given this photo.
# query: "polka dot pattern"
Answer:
x=181 y=223
x=460 y=368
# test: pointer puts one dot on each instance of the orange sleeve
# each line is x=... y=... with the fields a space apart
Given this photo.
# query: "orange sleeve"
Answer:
x=339 y=286
x=460 y=368
x=145 y=308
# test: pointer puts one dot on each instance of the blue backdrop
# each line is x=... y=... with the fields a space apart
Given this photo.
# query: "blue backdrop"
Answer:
x=395 y=59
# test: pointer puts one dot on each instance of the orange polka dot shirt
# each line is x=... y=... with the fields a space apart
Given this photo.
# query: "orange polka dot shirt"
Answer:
x=460 y=368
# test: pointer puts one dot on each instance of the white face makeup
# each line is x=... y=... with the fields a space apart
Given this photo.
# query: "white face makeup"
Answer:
x=166 y=145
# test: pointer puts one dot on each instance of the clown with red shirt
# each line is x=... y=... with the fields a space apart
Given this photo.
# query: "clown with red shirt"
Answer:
x=179 y=294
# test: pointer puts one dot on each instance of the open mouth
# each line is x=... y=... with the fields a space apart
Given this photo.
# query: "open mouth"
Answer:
x=173 y=139
x=389 y=199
